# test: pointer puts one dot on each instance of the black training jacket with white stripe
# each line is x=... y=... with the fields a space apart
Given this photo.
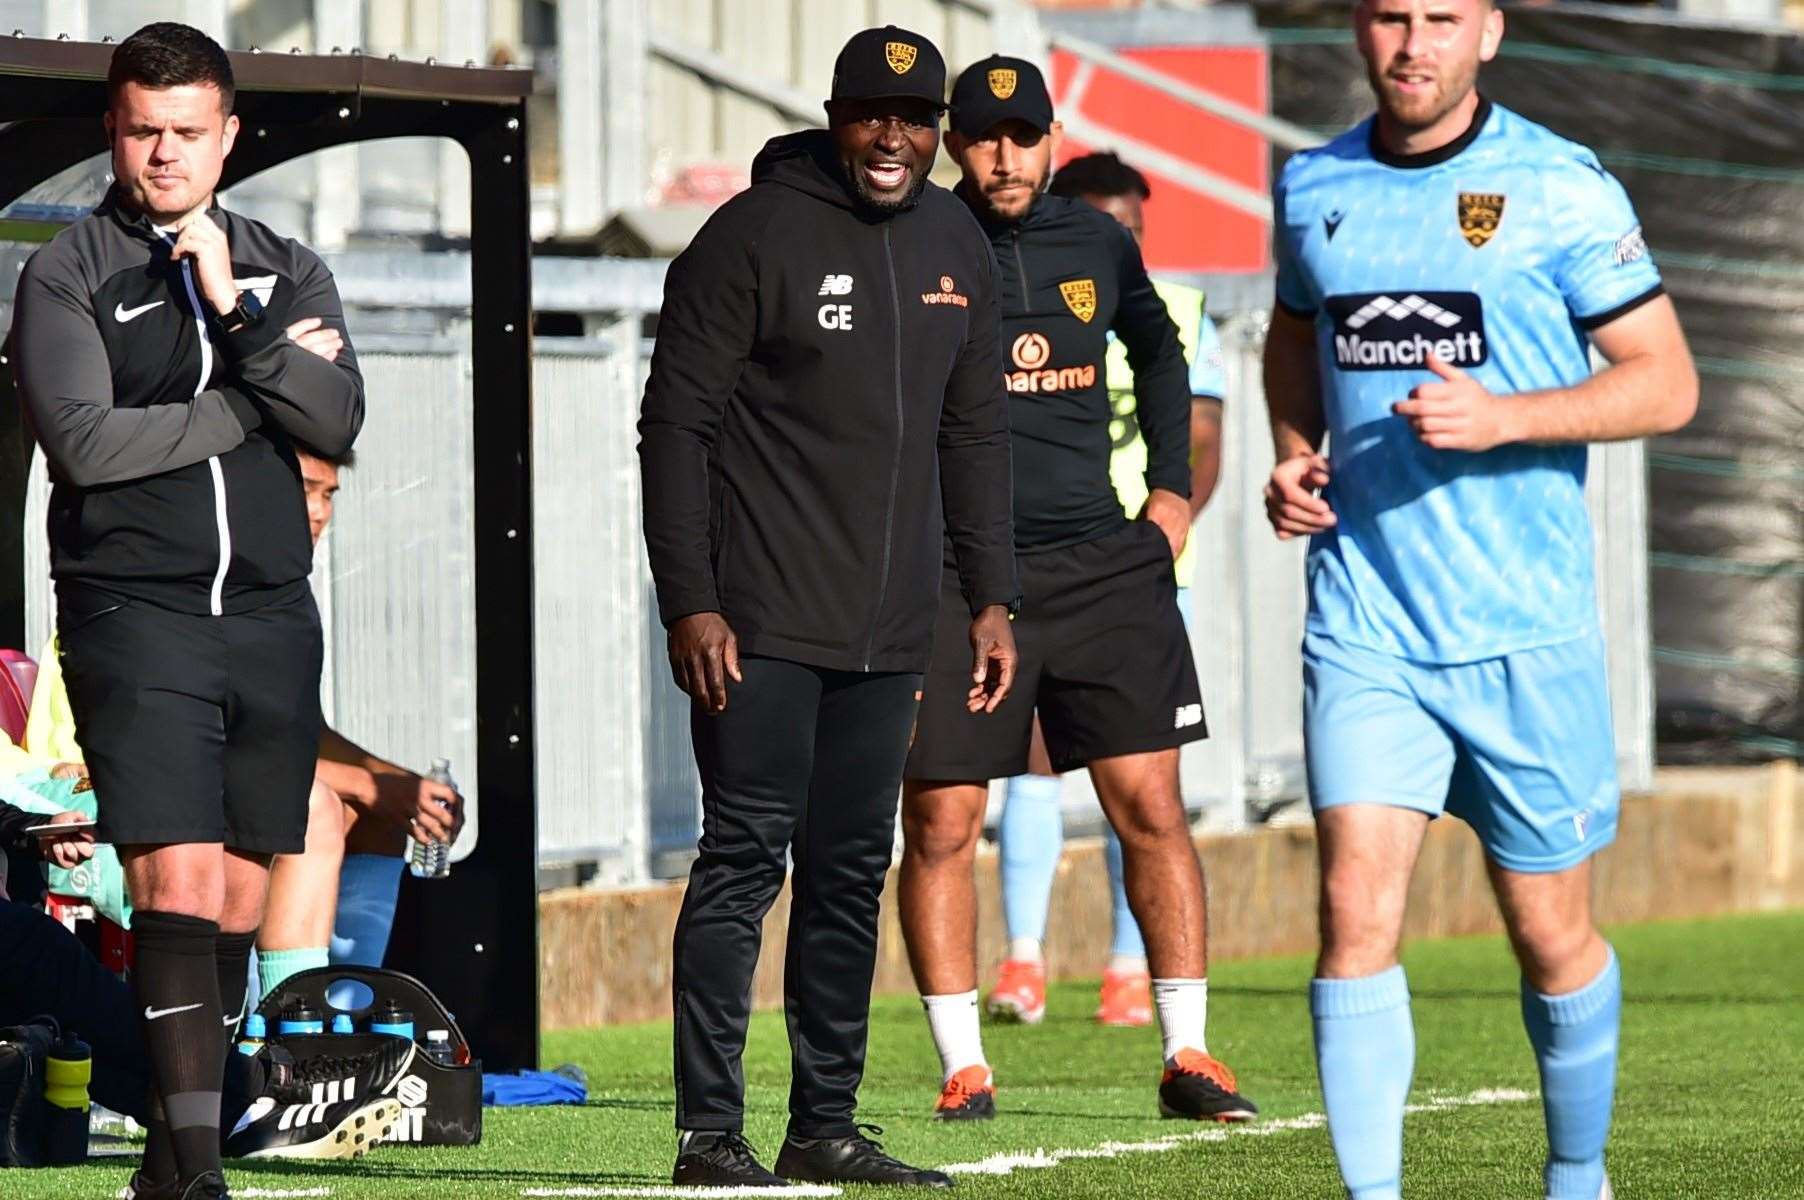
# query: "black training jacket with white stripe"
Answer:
x=170 y=443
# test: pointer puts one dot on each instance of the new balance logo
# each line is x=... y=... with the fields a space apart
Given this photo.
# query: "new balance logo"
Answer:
x=1188 y=715
x=836 y=285
x=1378 y=331
x=123 y=314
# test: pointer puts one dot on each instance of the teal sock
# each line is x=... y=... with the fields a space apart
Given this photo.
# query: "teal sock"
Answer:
x=275 y=966
x=1575 y=1038
x=1365 y=1051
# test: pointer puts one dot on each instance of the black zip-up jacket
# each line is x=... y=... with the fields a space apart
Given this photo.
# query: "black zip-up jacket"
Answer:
x=169 y=441
x=826 y=385
x=1070 y=275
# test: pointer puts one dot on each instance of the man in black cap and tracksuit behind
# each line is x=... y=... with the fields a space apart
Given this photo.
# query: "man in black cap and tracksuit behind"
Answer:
x=1105 y=660
x=825 y=409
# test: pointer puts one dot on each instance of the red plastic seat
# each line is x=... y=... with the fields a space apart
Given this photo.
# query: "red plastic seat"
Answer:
x=17 y=682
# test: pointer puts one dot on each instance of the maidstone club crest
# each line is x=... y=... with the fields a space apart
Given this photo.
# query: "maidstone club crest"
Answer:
x=1002 y=82
x=900 y=56
x=1479 y=215
x=1080 y=298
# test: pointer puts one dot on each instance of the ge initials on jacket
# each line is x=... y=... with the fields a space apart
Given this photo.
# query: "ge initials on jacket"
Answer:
x=825 y=386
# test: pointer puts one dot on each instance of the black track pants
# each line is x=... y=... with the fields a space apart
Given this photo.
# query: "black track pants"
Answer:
x=810 y=761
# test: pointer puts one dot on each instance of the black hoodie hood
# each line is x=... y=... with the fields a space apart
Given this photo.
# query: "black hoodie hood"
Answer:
x=825 y=408
x=808 y=162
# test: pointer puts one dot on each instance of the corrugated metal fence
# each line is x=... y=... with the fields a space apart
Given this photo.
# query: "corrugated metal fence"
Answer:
x=617 y=784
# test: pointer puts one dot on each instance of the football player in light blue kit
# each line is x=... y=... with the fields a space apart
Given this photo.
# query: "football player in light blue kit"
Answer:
x=1441 y=269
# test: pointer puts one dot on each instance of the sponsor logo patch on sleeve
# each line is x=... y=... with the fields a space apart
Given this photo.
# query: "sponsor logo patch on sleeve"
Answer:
x=1630 y=247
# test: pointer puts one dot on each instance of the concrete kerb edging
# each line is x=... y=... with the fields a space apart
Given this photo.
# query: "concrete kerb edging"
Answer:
x=1707 y=840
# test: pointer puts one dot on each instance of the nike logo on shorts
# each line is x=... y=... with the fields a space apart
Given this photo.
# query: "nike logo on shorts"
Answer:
x=151 y=1014
x=123 y=314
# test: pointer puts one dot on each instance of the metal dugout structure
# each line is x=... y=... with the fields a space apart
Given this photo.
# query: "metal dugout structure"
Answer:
x=472 y=937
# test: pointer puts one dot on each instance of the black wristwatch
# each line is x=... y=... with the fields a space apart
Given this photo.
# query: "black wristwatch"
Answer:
x=247 y=312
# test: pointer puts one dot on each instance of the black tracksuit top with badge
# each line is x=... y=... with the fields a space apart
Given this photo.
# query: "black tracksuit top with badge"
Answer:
x=825 y=407
x=169 y=441
x=1069 y=276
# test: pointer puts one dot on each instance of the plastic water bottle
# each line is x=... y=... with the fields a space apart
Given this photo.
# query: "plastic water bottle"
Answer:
x=300 y=1017
x=68 y=1067
x=439 y=1048
x=432 y=860
x=255 y=1030
x=393 y=1020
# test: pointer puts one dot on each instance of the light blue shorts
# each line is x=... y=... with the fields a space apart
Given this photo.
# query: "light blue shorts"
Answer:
x=1520 y=747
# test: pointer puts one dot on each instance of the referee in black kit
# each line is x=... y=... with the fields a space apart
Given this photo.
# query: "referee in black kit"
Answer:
x=169 y=355
x=825 y=407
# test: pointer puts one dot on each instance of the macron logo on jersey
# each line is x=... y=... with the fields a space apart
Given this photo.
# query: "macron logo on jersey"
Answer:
x=1380 y=331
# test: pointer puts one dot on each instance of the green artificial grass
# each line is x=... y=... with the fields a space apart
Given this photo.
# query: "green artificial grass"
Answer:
x=1710 y=1102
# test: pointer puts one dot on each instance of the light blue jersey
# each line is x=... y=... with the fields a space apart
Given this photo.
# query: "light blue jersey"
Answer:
x=1496 y=253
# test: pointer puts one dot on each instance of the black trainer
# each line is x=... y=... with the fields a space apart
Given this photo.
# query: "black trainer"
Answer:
x=330 y=1106
x=711 y=1158
x=330 y=1078
x=143 y=1188
x=852 y=1159
x=208 y=1185
x=345 y=1129
x=1196 y=1087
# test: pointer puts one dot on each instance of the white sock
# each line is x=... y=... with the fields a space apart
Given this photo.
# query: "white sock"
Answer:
x=1024 y=949
x=956 y=1035
x=1127 y=964
x=1183 y=1006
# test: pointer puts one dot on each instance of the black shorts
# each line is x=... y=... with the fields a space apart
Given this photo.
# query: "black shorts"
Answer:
x=195 y=728
x=1104 y=658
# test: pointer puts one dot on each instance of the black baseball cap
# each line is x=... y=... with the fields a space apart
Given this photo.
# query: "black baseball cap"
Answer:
x=887 y=62
x=998 y=89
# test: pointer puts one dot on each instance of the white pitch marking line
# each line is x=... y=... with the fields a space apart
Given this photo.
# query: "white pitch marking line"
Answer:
x=258 y=1193
x=794 y=1189
x=1008 y=1163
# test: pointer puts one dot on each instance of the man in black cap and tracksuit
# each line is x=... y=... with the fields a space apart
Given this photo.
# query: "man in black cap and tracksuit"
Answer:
x=825 y=409
x=1105 y=660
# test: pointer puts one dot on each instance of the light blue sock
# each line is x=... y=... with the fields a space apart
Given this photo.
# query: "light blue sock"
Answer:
x=1365 y=1051
x=367 y=887
x=1575 y=1038
x=1127 y=940
x=1031 y=834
